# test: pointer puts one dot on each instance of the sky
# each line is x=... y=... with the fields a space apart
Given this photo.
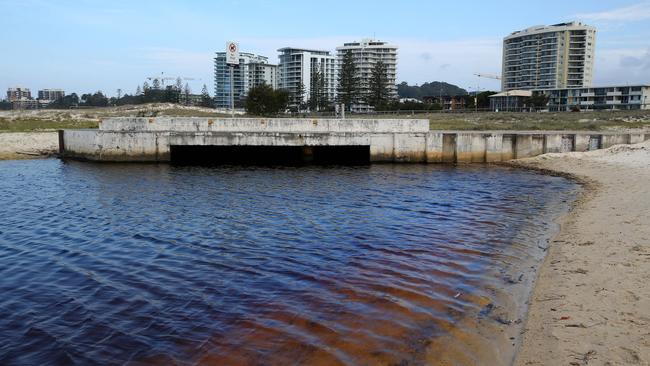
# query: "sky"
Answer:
x=84 y=46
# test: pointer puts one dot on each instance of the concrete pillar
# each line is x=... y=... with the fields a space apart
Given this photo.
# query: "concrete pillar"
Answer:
x=493 y=148
x=523 y=146
x=449 y=148
x=537 y=145
x=409 y=148
x=464 y=150
x=636 y=138
x=552 y=143
x=581 y=142
x=381 y=148
x=508 y=147
x=433 y=146
x=614 y=139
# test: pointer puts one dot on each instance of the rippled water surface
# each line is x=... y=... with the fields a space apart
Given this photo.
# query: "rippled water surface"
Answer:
x=106 y=264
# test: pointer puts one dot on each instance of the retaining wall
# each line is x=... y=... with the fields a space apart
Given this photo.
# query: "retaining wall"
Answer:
x=149 y=140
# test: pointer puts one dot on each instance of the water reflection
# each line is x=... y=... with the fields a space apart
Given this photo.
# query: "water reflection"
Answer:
x=241 y=265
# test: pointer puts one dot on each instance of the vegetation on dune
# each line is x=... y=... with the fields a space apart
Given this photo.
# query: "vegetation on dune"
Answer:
x=592 y=121
x=37 y=124
x=44 y=120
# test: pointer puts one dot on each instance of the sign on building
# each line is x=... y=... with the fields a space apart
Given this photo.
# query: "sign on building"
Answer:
x=232 y=53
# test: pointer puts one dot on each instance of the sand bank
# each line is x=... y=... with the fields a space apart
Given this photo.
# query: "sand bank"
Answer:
x=591 y=301
x=28 y=145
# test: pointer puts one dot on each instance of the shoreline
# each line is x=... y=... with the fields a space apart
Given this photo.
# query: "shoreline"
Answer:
x=590 y=299
x=28 y=145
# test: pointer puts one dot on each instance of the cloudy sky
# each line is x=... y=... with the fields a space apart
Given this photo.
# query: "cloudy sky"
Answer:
x=85 y=45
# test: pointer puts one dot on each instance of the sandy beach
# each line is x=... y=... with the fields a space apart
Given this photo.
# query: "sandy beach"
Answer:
x=28 y=145
x=591 y=301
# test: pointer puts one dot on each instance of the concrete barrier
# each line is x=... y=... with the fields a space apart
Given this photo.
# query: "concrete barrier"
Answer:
x=144 y=139
x=288 y=125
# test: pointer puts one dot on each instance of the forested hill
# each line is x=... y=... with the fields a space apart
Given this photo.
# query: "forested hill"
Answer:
x=428 y=89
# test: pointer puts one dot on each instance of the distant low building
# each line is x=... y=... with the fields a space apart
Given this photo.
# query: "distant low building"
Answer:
x=26 y=104
x=448 y=102
x=512 y=100
x=628 y=97
x=190 y=99
x=410 y=100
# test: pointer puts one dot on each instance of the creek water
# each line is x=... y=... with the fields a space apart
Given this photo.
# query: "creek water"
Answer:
x=163 y=264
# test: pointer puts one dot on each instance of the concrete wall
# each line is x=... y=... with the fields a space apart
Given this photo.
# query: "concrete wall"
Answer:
x=152 y=144
x=116 y=146
x=295 y=125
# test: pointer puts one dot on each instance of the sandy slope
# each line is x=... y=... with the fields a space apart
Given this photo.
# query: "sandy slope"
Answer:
x=591 y=302
x=28 y=145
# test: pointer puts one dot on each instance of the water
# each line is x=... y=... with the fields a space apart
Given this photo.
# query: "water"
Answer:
x=156 y=264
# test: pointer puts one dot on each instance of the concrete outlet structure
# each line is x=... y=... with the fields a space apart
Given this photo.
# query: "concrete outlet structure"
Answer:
x=377 y=140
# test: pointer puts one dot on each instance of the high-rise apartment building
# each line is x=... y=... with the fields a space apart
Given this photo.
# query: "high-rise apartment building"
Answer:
x=548 y=57
x=252 y=70
x=50 y=94
x=18 y=93
x=300 y=66
x=366 y=54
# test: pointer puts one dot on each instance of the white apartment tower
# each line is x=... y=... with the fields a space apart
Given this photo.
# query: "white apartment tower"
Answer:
x=366 y=54
x=252 y=70
x=549 y=57
x=299 y=65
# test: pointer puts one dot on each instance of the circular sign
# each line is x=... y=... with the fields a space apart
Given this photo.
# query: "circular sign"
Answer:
x=232 y=47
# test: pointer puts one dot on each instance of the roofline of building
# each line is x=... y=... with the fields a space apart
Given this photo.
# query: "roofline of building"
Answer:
x=548 y=28
x=305 y=50
x=598 y=87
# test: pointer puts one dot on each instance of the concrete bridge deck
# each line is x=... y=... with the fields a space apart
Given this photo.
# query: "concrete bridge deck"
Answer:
x=387 y=140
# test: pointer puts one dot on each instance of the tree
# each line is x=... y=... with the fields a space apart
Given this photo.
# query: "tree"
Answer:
x=537 y=100
x=179 y=84
x=299 y=96
x=98 y=99
x=262 y=100
x=156 y=84
x=206 y=101
x=68 y=101
x=317 y=92
x=483 y=99
x=5 y=105
x=378 y=93
x=145 y=86
x=348 y=88
x=186 y=93
x=138 y=91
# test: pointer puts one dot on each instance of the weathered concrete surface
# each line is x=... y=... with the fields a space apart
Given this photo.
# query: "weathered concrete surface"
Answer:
x=150 y=139
x=288 y=125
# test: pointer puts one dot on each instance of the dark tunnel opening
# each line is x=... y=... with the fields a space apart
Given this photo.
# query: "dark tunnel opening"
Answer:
x=270 y=155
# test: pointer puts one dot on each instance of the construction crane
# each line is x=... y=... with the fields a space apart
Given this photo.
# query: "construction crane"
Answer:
x=488 y=76
x=160 y=78
x=478 y=87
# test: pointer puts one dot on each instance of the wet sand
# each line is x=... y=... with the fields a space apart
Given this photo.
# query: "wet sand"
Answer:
x=28 y=145
x=591 y=301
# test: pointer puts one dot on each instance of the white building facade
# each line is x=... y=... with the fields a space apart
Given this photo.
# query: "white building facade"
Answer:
x=252 y=70
x=548 y=57
x=366 y=54
x=624 y=97
x=298 y=66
